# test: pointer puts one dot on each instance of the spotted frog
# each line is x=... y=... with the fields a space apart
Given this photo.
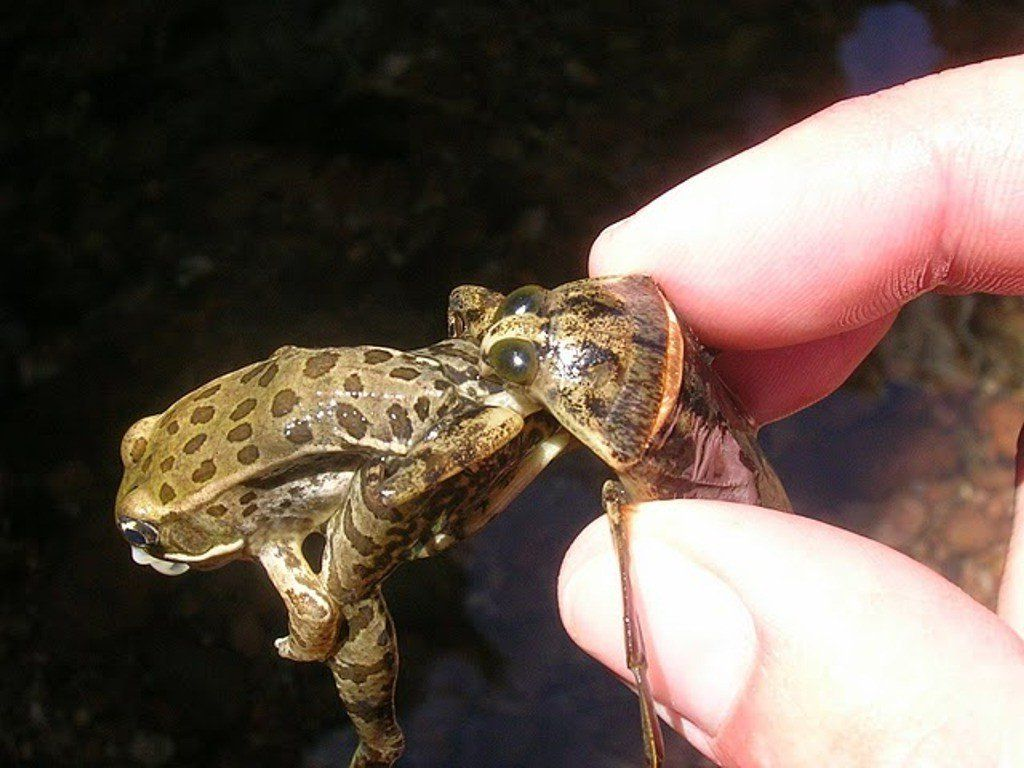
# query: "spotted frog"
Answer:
x=610 y=359
x=391 y=455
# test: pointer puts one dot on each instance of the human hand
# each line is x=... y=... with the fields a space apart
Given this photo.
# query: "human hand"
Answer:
x=774 y=639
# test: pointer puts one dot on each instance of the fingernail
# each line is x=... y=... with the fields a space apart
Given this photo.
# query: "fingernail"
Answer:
x=700 y=637
x=603 y=253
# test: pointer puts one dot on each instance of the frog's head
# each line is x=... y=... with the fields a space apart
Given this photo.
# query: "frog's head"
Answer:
x=167 y=531
x=603 y=356
x=471 y=310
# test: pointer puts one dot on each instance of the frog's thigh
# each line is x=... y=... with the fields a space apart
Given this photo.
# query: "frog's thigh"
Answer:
x=365 y=667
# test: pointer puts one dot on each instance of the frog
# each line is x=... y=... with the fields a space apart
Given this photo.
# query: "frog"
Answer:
x=612 y=361
x=391 y=455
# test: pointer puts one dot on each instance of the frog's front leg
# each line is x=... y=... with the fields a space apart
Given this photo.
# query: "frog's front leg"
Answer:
x=313 y=615
x=365 y=668
x=616 y=507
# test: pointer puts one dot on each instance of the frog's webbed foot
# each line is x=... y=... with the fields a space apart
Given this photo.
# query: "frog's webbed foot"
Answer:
x=615 y=503
x=365 y=667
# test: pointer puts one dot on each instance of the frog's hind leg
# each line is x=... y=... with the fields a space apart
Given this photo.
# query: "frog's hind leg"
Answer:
x=365 y=668
x=458 y=441
x=615 y=503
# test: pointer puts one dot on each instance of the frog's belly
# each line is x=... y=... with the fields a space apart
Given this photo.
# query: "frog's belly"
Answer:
x=300 y=506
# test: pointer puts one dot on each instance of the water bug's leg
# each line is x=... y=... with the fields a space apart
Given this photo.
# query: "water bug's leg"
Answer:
x=617 y=508
x=313 y=614
x=365 y=668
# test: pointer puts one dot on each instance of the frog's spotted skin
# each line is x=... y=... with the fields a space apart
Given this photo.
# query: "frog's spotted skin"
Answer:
x=392 y=454
x=351 y=402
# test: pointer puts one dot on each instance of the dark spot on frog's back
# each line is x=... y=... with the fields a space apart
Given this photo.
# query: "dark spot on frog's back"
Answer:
x=240 y=433
x=194 y=443
x=243 y=409
x=352 y=420
x=167 y=493
x=404 y=373
x=205 y=471
x=202 y=414
x=298 y=433
x=459 y=375
x=208 y=392
x=319 y=364
x=422 y=407
x=247 y=498
x=138 y=449
x=248 y=455
x=401 y=426
x=253 y=372
x=216 y=510
x=376 y=356
x=284 y=402
x=353 y=385
x=167 y=464
x=172 y=427
x=268 y=375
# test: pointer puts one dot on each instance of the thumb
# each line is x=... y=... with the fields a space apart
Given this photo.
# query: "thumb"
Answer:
x=778 y=640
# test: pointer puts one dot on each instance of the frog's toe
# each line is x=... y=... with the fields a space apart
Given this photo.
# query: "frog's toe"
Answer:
x=286 y=649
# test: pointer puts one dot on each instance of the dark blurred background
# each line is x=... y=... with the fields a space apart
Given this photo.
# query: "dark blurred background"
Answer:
x=186 y=186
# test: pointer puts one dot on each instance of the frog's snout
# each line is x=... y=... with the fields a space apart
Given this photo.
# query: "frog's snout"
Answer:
x=139 y=533
x=142 y=535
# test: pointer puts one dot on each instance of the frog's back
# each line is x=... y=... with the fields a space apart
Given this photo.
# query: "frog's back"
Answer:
x=360 y=401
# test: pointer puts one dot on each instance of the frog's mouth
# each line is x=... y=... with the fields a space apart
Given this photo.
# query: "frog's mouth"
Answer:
x=142 y=557
x=177 y=564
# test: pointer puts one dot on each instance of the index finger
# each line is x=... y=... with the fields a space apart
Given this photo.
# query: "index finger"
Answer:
x=838 y=221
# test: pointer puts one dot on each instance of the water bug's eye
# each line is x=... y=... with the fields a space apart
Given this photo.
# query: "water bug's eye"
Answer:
x=522 y=300
x=514 y=360
x=139 y=534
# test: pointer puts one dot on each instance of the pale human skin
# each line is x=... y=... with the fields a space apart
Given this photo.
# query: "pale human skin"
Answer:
x=775 y=640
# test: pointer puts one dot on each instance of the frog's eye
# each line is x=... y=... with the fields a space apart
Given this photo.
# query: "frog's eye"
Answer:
x=514 y=360
x=139 y=533
x=456 y=325
x=522 y=300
